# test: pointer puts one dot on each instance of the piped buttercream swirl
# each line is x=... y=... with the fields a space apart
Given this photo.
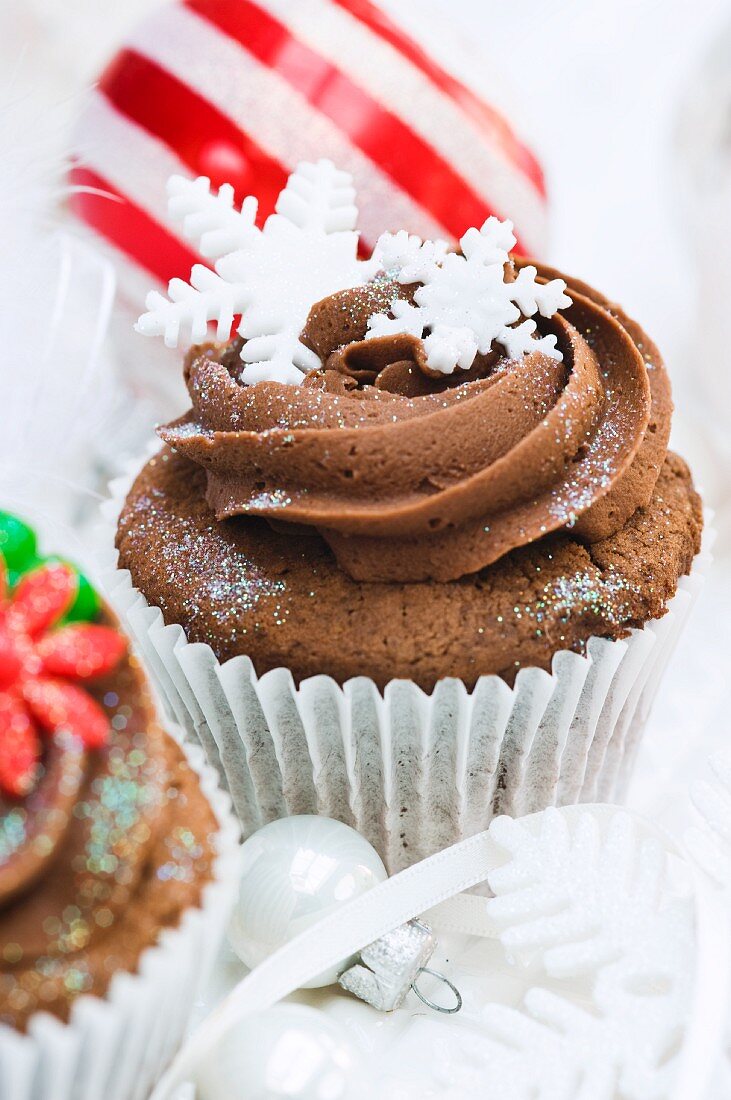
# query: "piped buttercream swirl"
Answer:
x=410 y=477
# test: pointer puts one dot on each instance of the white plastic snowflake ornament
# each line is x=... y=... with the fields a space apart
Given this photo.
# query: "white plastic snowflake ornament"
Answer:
x=579 y=898
x=306 y=251
x=586 y=895
x=465 y=304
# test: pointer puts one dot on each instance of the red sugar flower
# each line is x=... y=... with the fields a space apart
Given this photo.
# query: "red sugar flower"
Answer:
x=38 y=659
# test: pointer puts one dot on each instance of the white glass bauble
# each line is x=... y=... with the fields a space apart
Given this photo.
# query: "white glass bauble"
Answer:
x=295 y=871
x=289 y=1052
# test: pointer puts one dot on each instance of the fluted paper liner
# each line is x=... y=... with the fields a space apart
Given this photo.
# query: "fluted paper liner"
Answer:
x=115 y=1047
x=412 y=772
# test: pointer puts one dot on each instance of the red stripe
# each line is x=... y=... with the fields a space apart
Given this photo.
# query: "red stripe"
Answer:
x=414 y=165
x=128 y=227
x=156 y=101
x=203 y=138
x=377 y=21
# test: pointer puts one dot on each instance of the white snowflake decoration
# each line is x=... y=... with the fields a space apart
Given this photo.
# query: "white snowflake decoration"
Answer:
x=558 y=895
x=306 y=251
x=465 y=304
x=210 y=218
x=587 y=902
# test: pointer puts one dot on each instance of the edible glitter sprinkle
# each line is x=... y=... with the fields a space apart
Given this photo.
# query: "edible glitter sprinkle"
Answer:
x=13 y=831
x=236 y=587
x=278 y=498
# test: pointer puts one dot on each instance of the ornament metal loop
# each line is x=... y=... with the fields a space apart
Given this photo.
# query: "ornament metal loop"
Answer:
x=431 y=1004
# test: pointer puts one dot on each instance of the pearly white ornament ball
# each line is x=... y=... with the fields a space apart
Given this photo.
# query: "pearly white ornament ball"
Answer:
x=288 y=1052
x=295 y=871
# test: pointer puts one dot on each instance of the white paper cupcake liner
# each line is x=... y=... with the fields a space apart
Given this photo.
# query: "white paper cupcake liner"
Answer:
x=115 y=1047
x=412 y=772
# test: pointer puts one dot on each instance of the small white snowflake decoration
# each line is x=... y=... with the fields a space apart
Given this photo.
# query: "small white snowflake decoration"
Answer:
x=465 y=304
x=306 y=251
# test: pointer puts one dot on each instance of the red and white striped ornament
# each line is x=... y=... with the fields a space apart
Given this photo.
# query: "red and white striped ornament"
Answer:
x=242 y=91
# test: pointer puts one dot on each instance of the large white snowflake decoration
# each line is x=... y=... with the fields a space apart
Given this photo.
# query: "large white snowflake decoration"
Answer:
x=465 y=304
x=306 y=251
x=590 y=903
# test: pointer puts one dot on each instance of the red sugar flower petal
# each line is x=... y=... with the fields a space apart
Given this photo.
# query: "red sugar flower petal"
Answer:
x=20 y=748
x=81 y=651
x=60 y=706
x=41 y=598
x=11 y=661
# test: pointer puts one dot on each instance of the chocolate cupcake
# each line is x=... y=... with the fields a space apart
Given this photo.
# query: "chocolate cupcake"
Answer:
x=421 y=529
x=116 y=850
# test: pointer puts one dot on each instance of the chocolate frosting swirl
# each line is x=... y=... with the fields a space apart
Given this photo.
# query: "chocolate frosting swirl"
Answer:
x=410 y=477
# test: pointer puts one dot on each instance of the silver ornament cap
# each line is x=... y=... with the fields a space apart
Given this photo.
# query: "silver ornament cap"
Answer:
x=388 y=968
